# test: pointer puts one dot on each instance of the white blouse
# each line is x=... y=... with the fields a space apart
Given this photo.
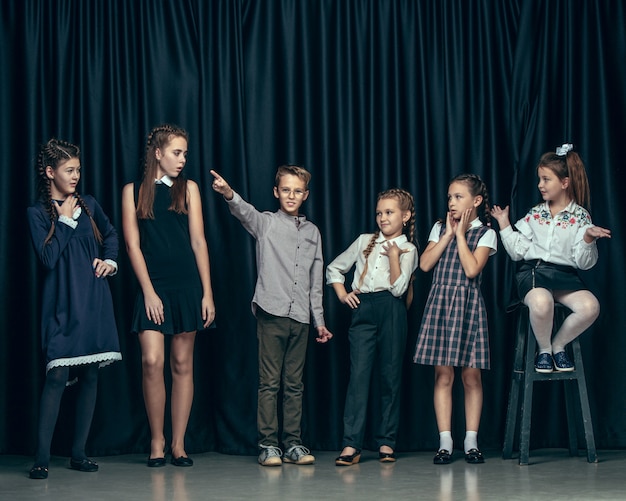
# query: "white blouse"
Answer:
x=378 y=271
x=557 y=239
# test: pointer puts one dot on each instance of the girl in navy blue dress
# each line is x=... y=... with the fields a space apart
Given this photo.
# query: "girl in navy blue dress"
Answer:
x=454 y=326
x=164 y=233
x=77 y=246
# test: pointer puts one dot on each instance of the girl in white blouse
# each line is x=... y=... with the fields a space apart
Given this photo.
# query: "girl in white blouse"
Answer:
x=555 y=239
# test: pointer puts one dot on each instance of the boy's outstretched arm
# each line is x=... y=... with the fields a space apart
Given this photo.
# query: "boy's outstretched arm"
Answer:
x=221 y=186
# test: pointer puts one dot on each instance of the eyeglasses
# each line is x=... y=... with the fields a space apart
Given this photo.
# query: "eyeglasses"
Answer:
x=296 y=193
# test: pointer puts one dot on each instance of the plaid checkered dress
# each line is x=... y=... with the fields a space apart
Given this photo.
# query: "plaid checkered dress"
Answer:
x=454 y=325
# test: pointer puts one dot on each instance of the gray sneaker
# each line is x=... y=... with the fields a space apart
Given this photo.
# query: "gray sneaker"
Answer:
x=298 y=454
x=270 y=456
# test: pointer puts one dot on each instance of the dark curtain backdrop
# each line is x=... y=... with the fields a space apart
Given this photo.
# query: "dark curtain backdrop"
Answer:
x=367 y=94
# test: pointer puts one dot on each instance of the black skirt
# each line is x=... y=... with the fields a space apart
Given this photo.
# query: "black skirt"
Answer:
x=547 y=276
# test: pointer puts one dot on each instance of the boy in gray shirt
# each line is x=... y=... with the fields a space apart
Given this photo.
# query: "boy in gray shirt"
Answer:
x=287 y=295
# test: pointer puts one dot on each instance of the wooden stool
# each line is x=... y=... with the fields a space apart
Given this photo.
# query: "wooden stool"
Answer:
x=524 y=373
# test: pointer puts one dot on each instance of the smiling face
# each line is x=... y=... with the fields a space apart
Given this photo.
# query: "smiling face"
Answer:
x=291 y=192
x=552 y=188
x=172 y=158
x=64 y=178
x=460 y=199
x=390 y=218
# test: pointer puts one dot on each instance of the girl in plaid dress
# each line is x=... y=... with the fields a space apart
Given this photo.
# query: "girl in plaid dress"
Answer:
x=454 y=326
x=385 y=262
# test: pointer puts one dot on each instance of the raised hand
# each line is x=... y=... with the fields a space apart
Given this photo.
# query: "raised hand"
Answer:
x=501 y=215
x=67 y=207
x=594 y=232
x=221 y=186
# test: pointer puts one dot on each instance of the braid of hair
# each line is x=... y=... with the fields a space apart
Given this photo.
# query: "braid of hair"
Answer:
x=158 y=138
x=366 y=253
x=52 y=154
x=94 y=226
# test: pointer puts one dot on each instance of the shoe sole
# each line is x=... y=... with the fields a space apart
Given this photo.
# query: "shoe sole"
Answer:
x=566 y=369
x=348 y=463
x=544 y=371
x=306 y=461
x=271 y=463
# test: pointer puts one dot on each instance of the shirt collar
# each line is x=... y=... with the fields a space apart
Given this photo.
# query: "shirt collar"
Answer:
x=570 y=207
x=166 y=180
x=399 y=240
x=476 y=223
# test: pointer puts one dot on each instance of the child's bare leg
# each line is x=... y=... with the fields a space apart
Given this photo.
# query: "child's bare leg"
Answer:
x=444 y=379
x=152 y=361
x=472 y=384
x=181 y=361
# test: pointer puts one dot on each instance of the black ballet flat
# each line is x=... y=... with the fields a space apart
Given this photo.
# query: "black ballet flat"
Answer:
x=155 y=462
x=86 y=465
x=474 y=456
x=38 y=472
x=349 y=459
x=387 y=457
x=443 y=456
x=182 y=461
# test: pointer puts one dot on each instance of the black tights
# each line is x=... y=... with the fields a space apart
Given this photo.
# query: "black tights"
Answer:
x=49 y=410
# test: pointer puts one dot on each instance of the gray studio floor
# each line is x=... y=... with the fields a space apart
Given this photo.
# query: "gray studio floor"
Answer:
x=551 y=475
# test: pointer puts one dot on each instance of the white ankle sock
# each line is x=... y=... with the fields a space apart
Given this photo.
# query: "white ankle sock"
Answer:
x=471 y=440
x=445 y=441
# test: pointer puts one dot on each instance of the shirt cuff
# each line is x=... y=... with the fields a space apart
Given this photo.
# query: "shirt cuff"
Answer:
x=506 y=231
x=112 y=263
x=68 y=221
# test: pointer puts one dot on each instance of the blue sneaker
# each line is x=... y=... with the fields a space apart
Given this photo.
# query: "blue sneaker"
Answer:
x=562 y=363
x=543 y=363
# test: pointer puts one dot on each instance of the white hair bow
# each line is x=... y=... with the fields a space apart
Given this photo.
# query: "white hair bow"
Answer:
x=562 y=150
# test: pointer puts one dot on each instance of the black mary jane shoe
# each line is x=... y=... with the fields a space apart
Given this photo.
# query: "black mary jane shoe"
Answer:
x=155 y=462
x=474 y=456
x=86 y=465
x=182 y=461
x=443 y=456
x=349 y=459
x=38 y=472
x=387 y=457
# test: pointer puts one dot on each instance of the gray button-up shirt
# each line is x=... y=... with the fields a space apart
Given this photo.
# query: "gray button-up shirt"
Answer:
x=289 y=260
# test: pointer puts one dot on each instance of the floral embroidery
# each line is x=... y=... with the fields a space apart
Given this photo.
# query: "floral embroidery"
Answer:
x=564 y=219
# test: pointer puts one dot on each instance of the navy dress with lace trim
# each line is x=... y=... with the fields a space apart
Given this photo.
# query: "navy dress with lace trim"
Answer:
x=77 y=319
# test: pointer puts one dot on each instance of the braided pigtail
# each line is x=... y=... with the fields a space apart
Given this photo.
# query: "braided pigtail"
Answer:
x=52 y=154
x=94 y=226
x=158 y=139
x=366 y=253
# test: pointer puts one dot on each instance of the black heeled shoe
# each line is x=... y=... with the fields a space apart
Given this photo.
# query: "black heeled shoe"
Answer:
x=86 y=465
x=349 y=459
x=182 y=461
x=387 y=457
x=155 y=462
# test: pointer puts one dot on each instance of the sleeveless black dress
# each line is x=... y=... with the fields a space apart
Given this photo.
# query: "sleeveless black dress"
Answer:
x=166 y=247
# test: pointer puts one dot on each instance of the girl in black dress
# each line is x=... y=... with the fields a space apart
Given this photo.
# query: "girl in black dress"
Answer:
x=164 y=233
x=77 y=246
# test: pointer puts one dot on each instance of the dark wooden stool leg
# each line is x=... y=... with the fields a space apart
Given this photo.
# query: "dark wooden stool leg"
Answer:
x=592 y=456
x=527 y=404
x=516 y=379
